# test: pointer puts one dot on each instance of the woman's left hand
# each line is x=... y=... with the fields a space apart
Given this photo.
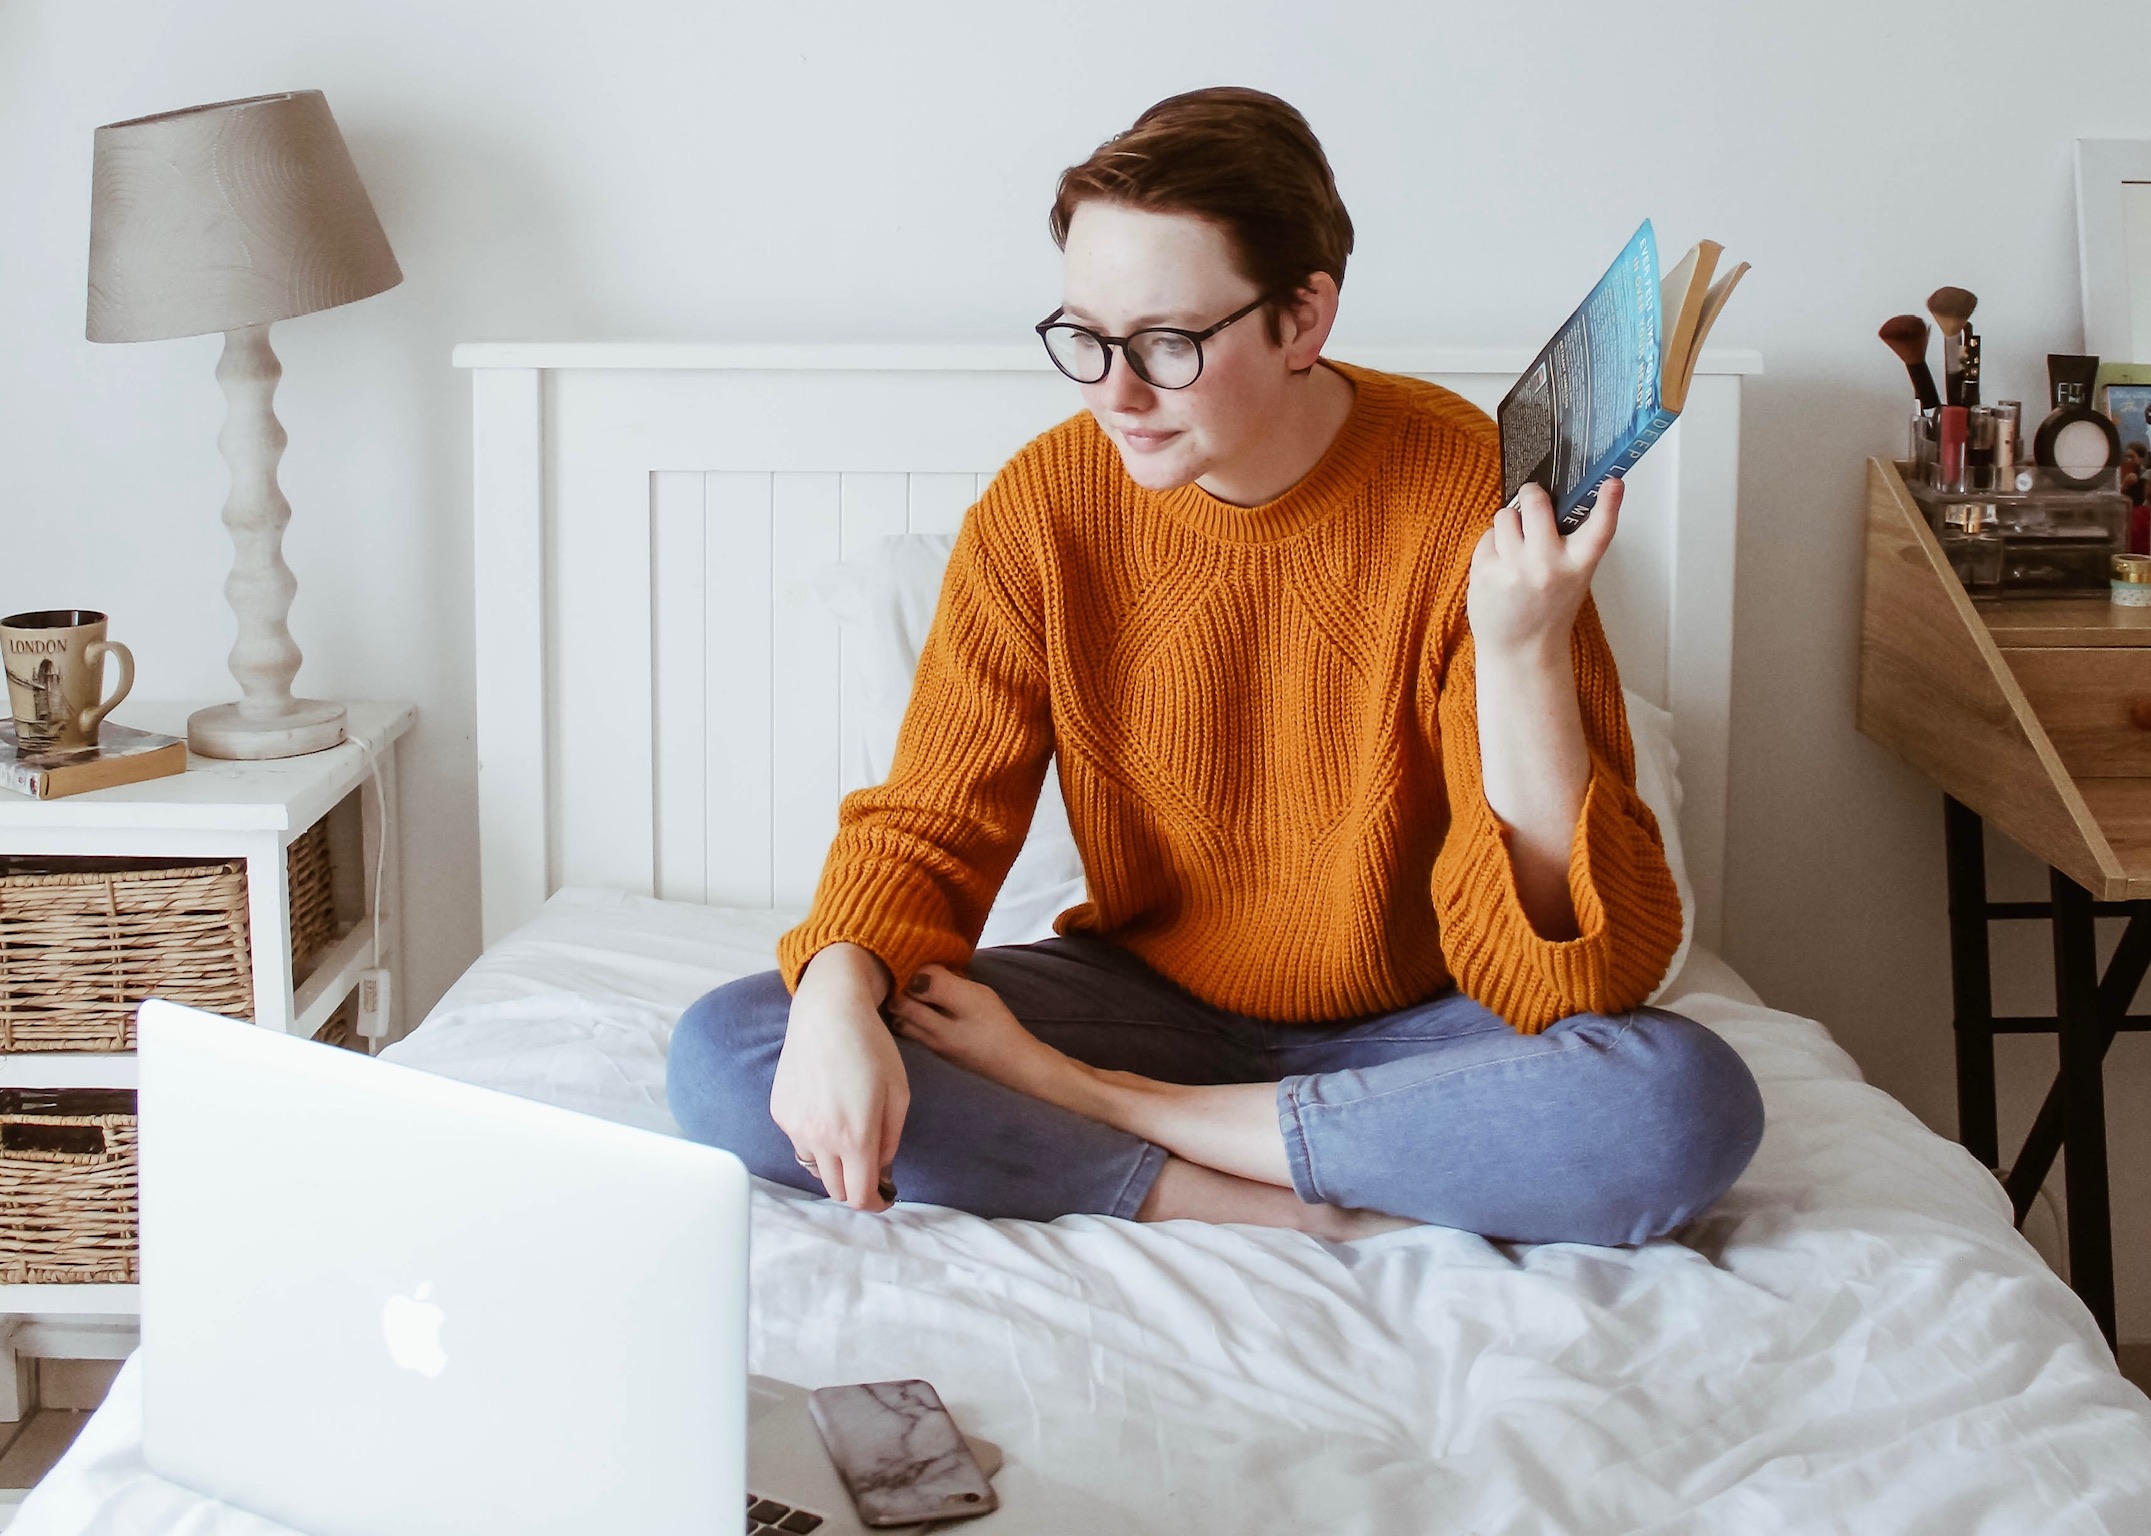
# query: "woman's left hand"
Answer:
x=1528 y=582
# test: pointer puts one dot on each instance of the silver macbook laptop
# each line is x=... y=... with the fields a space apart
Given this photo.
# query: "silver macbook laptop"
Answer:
x=378 y=1302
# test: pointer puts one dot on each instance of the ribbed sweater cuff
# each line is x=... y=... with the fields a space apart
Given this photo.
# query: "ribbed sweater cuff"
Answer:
x=1627 y=915
x=896 y=912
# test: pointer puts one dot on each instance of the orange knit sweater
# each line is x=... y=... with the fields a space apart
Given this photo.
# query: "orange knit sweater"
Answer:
x=1266 y=734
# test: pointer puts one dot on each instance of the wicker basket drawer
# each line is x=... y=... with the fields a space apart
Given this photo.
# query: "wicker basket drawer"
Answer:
x=67 y=1186
x=83 y=941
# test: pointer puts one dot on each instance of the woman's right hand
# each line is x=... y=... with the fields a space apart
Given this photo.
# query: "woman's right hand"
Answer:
x=840 y=1093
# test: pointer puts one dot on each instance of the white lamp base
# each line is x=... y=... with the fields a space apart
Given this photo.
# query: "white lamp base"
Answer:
x=226 y=730
x=268 y=722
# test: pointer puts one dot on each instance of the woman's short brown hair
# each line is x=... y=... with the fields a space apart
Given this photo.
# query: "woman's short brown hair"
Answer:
x=1240 y=158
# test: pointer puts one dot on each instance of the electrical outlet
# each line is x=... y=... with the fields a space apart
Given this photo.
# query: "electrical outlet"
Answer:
x=373 y=994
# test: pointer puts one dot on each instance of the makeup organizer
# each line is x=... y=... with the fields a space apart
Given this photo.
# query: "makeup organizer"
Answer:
x=2011 y=527
x=2017 y=516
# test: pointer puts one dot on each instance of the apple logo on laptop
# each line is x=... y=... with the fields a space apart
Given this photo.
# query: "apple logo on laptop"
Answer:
x=412 y=1326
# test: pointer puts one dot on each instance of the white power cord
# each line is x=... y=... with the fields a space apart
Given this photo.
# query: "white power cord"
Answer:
x=373 y=987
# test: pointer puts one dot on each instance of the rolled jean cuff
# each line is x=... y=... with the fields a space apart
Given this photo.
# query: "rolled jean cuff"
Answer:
x=1135 y=1189
x=1296 y=1158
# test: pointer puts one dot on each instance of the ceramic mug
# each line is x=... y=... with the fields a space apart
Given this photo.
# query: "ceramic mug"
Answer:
x=55 y=670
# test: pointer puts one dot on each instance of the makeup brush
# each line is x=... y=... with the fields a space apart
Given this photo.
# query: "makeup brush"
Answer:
x=1952 y=310
x=1906 y=335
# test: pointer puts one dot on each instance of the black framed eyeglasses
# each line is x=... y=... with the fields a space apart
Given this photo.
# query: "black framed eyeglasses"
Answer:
x=1163 y=356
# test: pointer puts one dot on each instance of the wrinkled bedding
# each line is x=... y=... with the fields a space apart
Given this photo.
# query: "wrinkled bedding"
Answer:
x=1854 y=1339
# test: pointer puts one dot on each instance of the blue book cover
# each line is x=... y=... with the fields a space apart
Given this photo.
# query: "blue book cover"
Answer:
x=1613 y=378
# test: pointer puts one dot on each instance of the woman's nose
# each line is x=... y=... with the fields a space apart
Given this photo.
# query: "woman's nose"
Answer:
x=1122 y=388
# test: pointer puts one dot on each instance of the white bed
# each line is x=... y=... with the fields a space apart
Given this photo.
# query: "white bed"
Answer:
x=1855 y=1339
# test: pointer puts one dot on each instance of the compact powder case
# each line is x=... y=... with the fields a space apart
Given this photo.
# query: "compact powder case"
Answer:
x=2078 y=443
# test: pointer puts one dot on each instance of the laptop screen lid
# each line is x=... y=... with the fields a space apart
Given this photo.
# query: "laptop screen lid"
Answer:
x=379 y=1302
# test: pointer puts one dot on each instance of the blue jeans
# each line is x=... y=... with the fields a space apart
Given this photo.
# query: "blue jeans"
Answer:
x=1600 y=1130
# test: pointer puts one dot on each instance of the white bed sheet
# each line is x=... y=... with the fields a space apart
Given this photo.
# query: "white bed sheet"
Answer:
x=1854 y=1340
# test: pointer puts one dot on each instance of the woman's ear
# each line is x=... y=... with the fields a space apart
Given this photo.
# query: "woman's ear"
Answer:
x=1303 y=323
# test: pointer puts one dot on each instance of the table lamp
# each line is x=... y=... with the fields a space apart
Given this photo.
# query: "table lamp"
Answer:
x=229 y=217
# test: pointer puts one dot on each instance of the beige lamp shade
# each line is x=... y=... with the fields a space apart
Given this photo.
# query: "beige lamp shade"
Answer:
x=229 y=215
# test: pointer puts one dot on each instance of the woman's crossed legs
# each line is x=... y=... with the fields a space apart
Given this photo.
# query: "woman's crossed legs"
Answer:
x=1067 y=1076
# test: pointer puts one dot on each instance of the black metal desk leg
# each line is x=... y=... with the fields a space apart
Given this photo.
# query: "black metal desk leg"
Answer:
x=2083 y=1044
x=1971 y=980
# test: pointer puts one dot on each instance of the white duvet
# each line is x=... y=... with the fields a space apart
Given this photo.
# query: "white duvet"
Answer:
x=1854 y=1340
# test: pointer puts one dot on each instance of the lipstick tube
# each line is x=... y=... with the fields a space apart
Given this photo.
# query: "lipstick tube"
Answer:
x=1952 y=431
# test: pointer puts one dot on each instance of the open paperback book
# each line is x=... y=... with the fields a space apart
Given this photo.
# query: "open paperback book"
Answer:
x=1614 y=377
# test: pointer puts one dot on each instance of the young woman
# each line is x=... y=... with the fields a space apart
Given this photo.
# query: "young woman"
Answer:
x=1374 y=906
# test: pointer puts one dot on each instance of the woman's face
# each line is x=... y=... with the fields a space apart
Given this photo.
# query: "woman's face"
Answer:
x=1127 y=268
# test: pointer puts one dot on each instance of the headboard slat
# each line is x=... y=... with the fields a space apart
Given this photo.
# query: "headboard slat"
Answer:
x=680 y=612
x=805 y=536
x=739 y=649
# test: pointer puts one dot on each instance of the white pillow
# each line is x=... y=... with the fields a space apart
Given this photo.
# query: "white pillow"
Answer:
x=1658 y=783
x=884 y=597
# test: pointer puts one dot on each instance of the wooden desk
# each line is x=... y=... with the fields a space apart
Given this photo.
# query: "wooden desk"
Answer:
x=2035 y=714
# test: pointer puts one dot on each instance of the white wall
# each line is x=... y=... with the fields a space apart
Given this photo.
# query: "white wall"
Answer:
x=873 y=171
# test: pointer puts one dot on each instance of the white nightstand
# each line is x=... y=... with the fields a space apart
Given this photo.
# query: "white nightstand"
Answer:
x=219 y=810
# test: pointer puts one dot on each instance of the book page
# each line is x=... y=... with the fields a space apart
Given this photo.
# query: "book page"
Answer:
x=1672 y=299
x=1713 y=306
x=1683 y=309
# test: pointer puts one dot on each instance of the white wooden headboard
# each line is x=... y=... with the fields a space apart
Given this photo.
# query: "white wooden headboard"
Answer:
x=658 y=704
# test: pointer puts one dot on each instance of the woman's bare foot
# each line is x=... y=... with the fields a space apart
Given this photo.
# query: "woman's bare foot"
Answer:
x=966 y=1022
x=1187 y=1191
x=1344 y=1226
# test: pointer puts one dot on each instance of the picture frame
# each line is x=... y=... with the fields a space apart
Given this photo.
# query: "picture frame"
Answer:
x=2117 y=373
x=2113 y=238
x=2127 y=406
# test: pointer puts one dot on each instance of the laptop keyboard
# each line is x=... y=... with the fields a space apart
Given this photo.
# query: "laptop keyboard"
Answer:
x=766 y=1517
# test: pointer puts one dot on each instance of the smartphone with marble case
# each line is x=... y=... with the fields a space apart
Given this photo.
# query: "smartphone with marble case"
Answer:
x=900 y=1455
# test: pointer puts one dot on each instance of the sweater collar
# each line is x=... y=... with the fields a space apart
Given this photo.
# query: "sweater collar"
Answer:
x=1347 y=463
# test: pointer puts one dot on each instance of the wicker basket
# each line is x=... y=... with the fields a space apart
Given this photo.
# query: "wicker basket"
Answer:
x=67 y=1186
x=83 y=941
x=313 y=898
